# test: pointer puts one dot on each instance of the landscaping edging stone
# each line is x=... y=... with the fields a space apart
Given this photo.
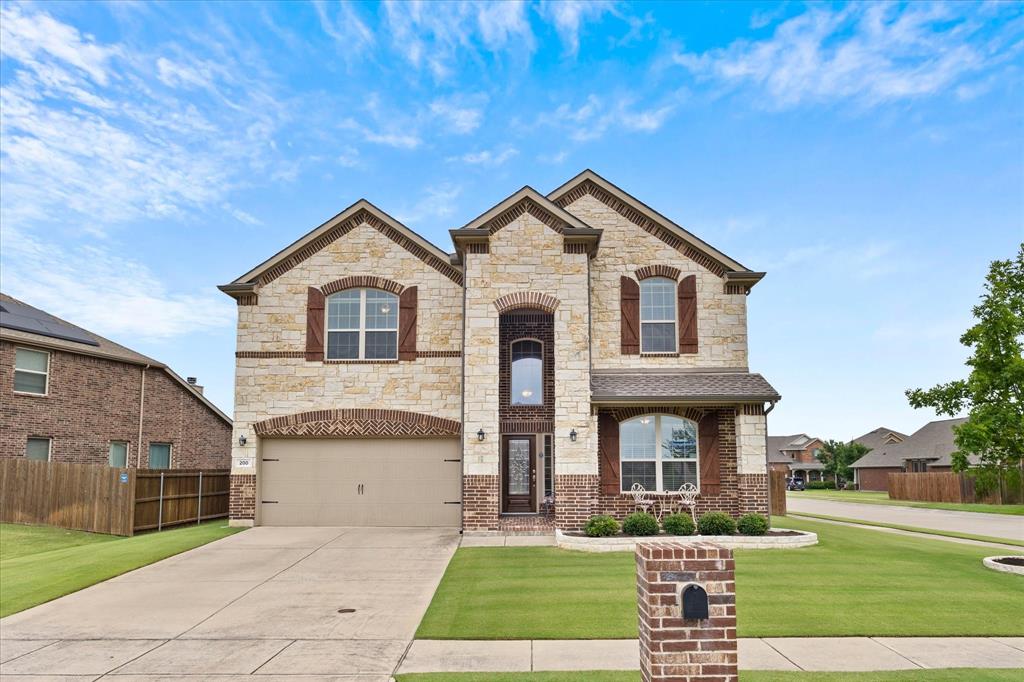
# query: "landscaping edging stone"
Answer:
x=990 y=562
x=628 y=544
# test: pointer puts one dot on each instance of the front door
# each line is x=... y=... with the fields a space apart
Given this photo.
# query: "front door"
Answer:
x=519 y=475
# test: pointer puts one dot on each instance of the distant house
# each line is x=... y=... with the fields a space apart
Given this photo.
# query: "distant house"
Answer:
x=797 y=456
x=929 y=449
x=70 y=395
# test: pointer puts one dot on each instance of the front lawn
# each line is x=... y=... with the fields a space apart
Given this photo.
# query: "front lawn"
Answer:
x=40 y=563
x=874 y=497
x=945 y=675
x=854 y=582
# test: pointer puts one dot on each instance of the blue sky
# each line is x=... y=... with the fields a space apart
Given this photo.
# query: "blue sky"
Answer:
x=869 y=157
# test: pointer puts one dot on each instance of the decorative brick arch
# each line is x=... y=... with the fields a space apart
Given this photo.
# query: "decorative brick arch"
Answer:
x=526 y=299
x=648 y=271
x=361 y=281
x=694 y=414
x=357 y=423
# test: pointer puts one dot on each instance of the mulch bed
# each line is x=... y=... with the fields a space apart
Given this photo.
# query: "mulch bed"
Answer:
x=1010 y=560
x=769 y=534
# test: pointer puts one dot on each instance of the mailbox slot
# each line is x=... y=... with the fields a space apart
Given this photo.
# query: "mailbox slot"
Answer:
x=693 y=601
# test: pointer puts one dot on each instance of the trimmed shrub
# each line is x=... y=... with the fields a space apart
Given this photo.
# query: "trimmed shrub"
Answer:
x=601 y=526
x=820 y=485
x=640 y=523
x=678 y=524
x=716 y=523
x=752 y=524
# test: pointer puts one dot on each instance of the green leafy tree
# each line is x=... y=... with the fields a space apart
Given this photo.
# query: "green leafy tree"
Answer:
x=993 y=393
x=838 y=456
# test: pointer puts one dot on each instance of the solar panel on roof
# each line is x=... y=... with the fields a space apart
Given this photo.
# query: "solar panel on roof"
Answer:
x=23 y=318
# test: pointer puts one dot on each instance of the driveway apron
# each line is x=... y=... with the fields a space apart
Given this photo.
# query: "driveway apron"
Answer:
x=272 y=601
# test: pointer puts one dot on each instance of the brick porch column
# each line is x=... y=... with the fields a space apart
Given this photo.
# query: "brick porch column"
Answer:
x=671 y=647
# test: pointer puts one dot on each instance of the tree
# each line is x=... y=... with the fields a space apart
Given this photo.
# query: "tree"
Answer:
x=837 y=457
x=993 y=393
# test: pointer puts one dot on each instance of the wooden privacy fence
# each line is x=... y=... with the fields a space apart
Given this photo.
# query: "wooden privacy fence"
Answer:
x=944 y=487
x=103 y=499
x=778 y=492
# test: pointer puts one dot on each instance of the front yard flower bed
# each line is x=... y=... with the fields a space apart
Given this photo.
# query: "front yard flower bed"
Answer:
x=777 y=538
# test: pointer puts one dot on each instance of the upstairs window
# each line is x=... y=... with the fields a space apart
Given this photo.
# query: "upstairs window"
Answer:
x=362 y=324
x=658 y=451
x=527 y=383
x=658 y=315
x=31 y=371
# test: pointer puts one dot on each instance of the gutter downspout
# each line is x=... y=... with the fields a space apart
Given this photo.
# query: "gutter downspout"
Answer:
x=767 y=461
x=142 y=410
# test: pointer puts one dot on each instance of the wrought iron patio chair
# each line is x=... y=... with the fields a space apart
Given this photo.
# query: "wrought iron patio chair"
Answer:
x=641 y=498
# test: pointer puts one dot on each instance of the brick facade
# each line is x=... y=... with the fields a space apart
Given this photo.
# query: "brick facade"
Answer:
x=92 y=401
x=480 y=500
x=242 y=507
x=512 y=327
x=876 y=479
x=673 y=648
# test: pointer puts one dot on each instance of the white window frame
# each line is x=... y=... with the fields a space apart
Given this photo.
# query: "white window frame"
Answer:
x=362 y=329
x=170 y=453
x=674 y=320
x=46 y=374
x=49 y=445
x=127 y=452
x=511 y=399
x=658 y=461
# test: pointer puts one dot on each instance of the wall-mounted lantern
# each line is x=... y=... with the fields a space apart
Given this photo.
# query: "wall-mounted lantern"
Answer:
x=241 y=440
x=572 y=435
x=480 y=435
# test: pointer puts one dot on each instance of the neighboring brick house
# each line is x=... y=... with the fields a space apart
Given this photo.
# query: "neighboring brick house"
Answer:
x=797 y=456
x=871 y=471
x=929 y=449
x=572 y=345
x=70 y=395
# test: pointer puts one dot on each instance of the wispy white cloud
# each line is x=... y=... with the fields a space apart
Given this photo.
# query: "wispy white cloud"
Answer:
x=867 y=53
x=349 y=157
x=554 y=158
x=106 y=293
x=438 y=201
x=241 y=216
x=460 y=116
x=864 y=261
x=597 y=115
x=487 y=157
x=342 y=23
x=569 y=16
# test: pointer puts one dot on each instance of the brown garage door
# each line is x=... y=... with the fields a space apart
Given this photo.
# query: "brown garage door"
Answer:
x=360 y=482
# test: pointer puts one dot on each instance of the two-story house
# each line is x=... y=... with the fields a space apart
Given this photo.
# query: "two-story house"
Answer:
x=797 y=456
x=573 y=345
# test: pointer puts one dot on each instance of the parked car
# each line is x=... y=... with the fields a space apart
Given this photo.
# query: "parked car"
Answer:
x=795 y=483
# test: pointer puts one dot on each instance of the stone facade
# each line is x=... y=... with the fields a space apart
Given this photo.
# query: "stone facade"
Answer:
x=92 y=401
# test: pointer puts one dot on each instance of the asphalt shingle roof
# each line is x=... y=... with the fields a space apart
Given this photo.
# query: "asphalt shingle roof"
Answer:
x=705 y=387
x=933 y=441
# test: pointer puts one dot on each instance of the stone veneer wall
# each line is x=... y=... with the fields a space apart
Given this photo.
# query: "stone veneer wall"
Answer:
x=525 y=256
x=625 y=248
x=279 y=381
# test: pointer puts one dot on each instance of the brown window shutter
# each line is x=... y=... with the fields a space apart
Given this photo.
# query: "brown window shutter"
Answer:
x=688 y=314
x=608 y=445
x=629 y=301
x=407 y=302
x=707 y=437
x=314 y=324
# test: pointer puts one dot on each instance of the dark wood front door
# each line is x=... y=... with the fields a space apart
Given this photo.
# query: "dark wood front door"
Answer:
x=518 y=474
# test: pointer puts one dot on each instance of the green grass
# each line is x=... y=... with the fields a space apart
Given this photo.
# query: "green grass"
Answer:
x=915 y=529
x=873 y=497
x=39 y=563
x=854 y=582
x=942 y=675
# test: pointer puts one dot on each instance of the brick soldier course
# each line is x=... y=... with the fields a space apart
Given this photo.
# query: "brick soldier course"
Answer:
x=565 y=269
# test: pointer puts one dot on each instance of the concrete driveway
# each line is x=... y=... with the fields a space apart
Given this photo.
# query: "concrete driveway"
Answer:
x=328 y=603
x=995 y=525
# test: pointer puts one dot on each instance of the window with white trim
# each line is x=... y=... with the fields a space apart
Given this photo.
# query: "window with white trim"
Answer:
x=658 y=304
x=31 y=371
x=38 y=449
x=362 y=324
x=118 y=456
x=658 y=451
x=527 y=381
x=159 y=455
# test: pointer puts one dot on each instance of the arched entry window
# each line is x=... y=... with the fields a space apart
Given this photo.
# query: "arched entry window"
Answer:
x=362 y=324
x=527 y=381
x=658 y=451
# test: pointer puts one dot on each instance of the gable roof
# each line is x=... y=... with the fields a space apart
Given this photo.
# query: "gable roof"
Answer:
x=645 y=217
x=932 y=442
x=778 y=445
x=880 y=438
x=89 y=343
x=360 y=213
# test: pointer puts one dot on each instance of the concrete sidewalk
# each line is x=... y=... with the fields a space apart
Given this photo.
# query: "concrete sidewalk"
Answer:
x=769 y=653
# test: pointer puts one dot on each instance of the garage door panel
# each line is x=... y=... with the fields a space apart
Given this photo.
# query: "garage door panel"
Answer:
x=406 y=482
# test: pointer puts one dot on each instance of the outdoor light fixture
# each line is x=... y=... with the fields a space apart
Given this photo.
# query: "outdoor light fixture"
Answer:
x=241 y=440
x=572 y=435
x=480 y=435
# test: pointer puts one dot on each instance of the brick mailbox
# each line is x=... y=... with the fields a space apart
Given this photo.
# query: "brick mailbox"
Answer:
x=674 y=581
